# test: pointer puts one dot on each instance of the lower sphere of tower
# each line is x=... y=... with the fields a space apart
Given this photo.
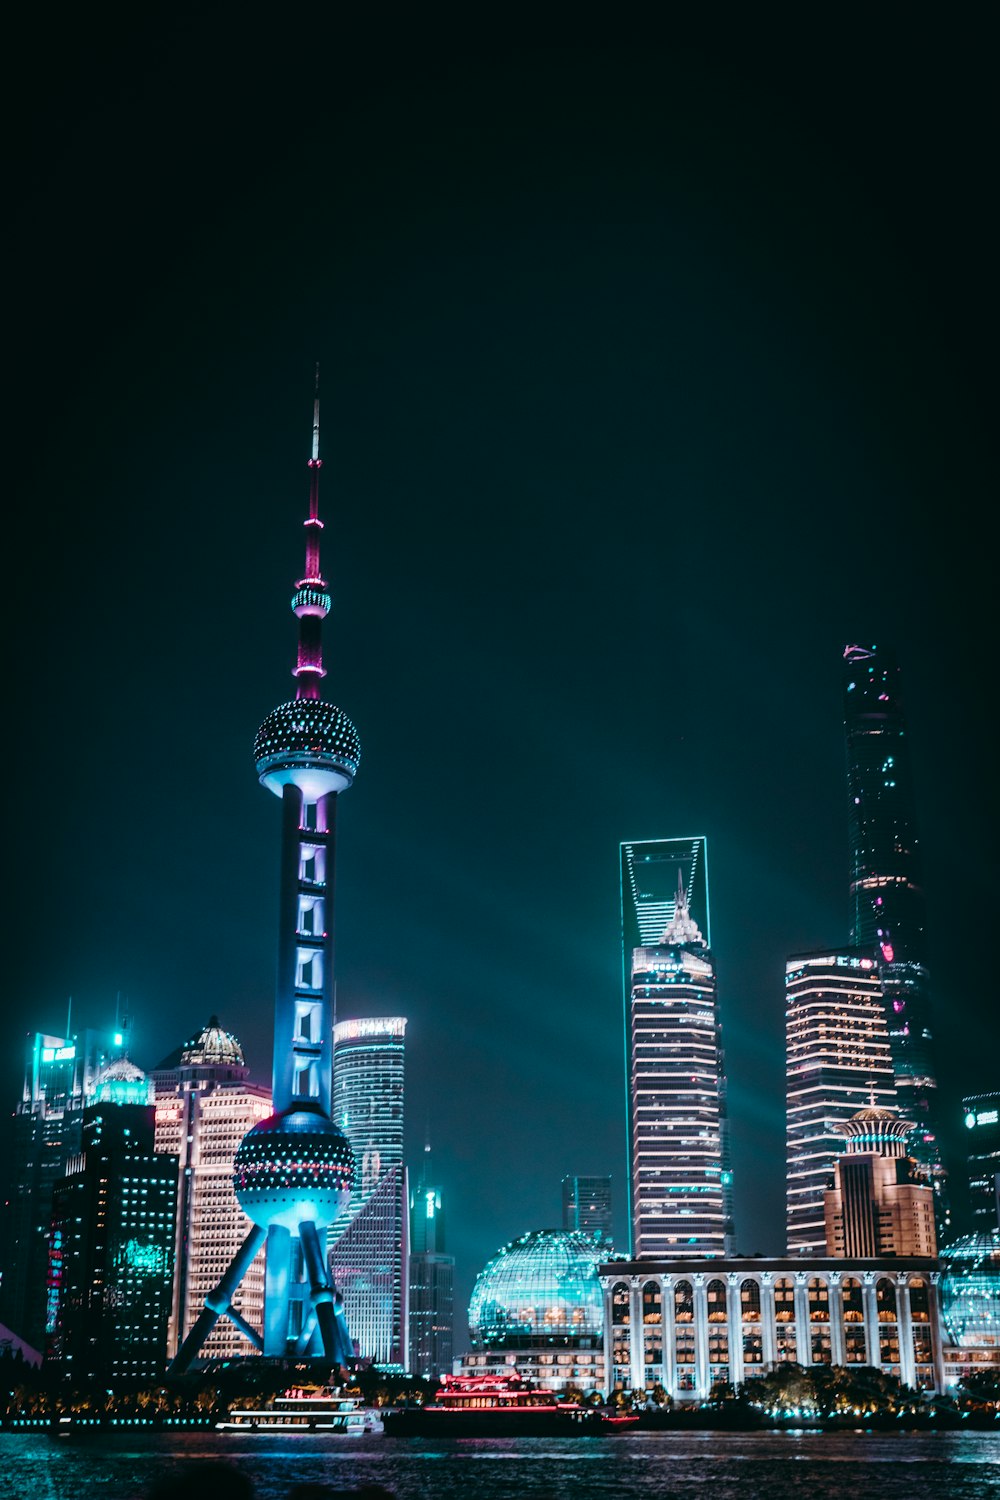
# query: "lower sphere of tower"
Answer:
x=293 y=1166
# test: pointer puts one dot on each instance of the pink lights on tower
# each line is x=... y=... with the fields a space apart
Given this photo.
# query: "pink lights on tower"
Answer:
x=311 y=603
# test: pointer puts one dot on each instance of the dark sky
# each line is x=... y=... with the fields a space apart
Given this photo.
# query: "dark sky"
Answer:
x=656 y=367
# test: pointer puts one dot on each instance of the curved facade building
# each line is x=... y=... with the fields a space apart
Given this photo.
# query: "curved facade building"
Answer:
x=970 y=1303
x=537 y=1307
x=685 y=1326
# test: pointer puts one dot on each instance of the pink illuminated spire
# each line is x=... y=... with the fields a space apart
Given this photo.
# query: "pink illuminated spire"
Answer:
x=311 y=602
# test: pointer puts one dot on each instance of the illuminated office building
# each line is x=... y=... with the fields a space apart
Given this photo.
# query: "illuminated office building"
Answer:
x=111 y=1247
x=680 y=1180
x=432 y=1280
x=982 y=1123
x=887 y=906
x=205 y=1105
x=368 y=1242
x=60 y=1073
x=837 y=1060
x=876 y=1206
x=586 y=1203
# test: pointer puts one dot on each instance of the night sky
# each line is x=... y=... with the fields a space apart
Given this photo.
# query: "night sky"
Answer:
x=656 y=367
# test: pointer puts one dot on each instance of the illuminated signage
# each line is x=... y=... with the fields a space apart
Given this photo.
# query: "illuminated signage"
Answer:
x=58 y=1054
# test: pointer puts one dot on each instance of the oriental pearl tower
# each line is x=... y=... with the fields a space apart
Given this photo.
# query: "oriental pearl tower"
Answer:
x=293 y=1172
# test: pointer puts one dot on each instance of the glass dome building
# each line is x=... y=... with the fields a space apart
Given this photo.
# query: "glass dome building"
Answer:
x=970 y=1292
x=537 y=1307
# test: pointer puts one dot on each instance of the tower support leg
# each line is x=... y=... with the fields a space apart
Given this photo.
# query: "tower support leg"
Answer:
x=329 y=1310
x=218 y=1302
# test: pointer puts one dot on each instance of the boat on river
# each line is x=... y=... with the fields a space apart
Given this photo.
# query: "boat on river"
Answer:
x=307 y=1409
x=498 y=1406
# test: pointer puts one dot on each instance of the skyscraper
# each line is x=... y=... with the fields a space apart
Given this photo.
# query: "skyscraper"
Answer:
x=586 y=1204
x=887 y=906
x=293 y=1171
x=368 y=1249
x=432 y=1280
x=680 y=1180
x=59 y=1075
x=876 y=1206
x=111 y=1248
x=205 y=1104
x=982 y=1124
x=837 y=1060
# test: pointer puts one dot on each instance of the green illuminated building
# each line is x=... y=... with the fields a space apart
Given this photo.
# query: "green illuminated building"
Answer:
x=111 y=1248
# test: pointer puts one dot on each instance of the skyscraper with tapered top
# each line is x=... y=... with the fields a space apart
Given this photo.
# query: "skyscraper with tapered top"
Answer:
x=887 y=906
x=680 y=1179
x=293 y=1171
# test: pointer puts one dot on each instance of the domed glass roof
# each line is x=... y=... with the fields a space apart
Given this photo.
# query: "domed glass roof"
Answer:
x=121 y=1082
x=970 y=1290
x=543 y=1289
x=212 y=1046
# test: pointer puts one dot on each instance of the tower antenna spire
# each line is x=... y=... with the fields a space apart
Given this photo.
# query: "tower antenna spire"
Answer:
x=315 y=447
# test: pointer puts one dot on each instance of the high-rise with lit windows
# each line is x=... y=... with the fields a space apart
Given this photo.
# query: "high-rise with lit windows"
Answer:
x=887 y=906
x=586 y=1205
x=59 y=1075
x=680 y=1178
x=112 y=1242
x=982 y=1144
x=205 y=1104
x=432 y=1280
x=837 y=1060
x=368 y=1247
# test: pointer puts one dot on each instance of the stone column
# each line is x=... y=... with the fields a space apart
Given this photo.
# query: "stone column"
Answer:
x=871 y=1319
x=837 y=1352
x=803 y=1343
x=669 y=1337
x=701 y=1380
x=934 y=1308
x=637 y=1370
x=767 y=1319
x=734 y=1324
x=904 y=1329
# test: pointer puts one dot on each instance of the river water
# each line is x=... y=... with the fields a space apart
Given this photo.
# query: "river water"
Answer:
x=637 y=1466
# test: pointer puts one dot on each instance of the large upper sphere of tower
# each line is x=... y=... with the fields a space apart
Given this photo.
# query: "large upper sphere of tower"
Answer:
x=309 y=743
x=293 y=1166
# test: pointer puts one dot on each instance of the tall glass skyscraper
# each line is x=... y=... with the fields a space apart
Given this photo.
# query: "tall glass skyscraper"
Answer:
x=887 y=907
x=680 y=1180
x=368 y=1243
x=586 y=1206
x=837 y=1060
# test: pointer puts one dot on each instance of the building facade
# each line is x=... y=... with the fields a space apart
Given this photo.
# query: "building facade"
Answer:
x=877 y=1206
x=537 y=1310
x=685 y=1326
x=887 y=905
x=431 y=1281
x=982 y=1125
x=59 y=1075
x=368 y=1242
x=681 y=1183
x=837 y=1059
x=111 y=1249
x=205 y=1105
x=586 y=1206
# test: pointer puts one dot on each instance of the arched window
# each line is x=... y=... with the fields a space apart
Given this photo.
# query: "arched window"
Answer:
x=652 y=1329
x=684 y=1334
x=853 y=1305
x=920 y=1320
x=621 y=1317
x=819 y=1321
x=718 y=1330
x=785 y=1345
x=753 y=1338
x=888 y=1327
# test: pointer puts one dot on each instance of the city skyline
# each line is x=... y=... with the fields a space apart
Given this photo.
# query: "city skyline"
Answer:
x=626 y=437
